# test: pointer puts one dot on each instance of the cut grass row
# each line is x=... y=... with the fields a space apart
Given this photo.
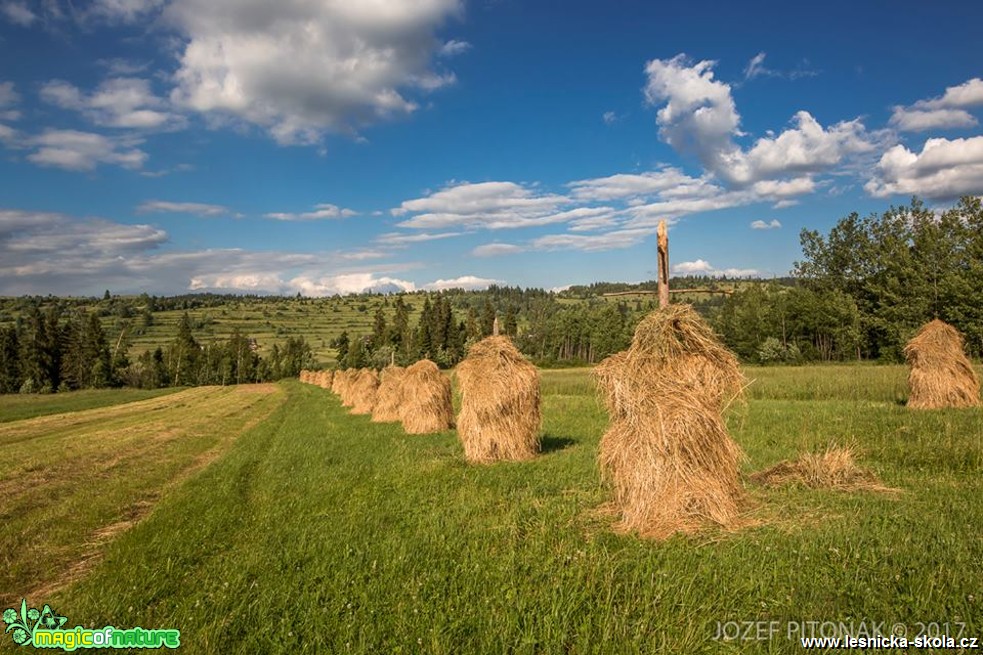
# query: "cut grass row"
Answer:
x=72 y=481
x=322 y=532
x=17 y=407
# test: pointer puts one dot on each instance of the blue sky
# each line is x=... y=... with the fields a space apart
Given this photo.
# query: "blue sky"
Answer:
x=333 y=146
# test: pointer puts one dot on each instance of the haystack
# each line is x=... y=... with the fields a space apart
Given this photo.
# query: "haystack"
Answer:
x=305 y=376
x=499 y=418
x=347 y=384
x=389 y=396
x=939 y=373
x=339 y=379
x=324 y=379
x=426 y=405
x=834 y=469
x=364 y=390
x=667 y=452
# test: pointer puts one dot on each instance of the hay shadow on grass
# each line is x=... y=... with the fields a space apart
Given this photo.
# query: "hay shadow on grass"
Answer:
x=549 y=444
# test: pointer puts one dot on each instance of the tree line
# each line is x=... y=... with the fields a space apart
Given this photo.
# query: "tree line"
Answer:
x=48 y=351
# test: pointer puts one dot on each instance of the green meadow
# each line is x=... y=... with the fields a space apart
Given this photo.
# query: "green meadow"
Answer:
x=269 y=520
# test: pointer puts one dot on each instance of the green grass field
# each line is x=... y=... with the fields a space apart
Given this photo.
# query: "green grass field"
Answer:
x=16 y=407
x=313 y=531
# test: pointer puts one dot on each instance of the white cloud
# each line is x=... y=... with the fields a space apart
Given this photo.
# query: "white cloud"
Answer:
x=773 y=224
x=400 y=239
x=947 y=111
x=614 y=240
x=496 y=249
x=627 y=185
x=609 y=117
x=123 y=11
x=125 y=102
x=703 y=267
x=194 y=208
x=347 y=283
x=454 y=47
x=699 y=118
x=943 y=169
x=466 y=282
x=320 y=212
x=485 y=205
x=308 y=67
x=8 y=99
x=920 y=120
x=17 y=12
x=83 y=151
x=756 y=67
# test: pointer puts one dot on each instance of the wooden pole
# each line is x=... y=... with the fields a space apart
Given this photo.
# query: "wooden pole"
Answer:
x=495 y=327
x=663 y=265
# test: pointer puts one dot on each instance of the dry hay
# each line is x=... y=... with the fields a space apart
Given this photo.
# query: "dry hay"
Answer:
x=667 y=452
x=426 y=405
x=305 y=376
x=347 y=380
x=499 y=418
x=389 y=396
x=939 y=373
x=338 y=381
x=834 y=469
x=364 y=389
x=324 y=379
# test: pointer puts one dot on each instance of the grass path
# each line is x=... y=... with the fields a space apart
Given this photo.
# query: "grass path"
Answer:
x=320 y=532
x=73 y=481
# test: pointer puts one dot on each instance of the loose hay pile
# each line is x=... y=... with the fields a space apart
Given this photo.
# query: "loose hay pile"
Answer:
x=834 y=469
x=667 y=452
x=364 y=390
x=426 y=404
x=499 y=418
x=390 y=395
x=940 y=375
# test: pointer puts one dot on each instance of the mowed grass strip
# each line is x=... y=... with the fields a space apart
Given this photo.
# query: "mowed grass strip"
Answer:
x=320 y=532
x=71 y=482
x=17 y=407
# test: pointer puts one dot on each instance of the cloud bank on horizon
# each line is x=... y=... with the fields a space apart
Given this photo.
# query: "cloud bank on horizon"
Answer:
x=330 y=147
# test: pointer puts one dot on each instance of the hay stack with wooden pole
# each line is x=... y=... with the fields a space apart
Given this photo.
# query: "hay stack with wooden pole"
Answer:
x=337 y=381
x=305 y=376
x=939 y=373
x=364 y=391
x=390 y=395
x=499 y=417
x=426 y=405
x=666 y=452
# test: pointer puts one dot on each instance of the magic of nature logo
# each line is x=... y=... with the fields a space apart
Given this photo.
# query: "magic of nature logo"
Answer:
x=45 y=628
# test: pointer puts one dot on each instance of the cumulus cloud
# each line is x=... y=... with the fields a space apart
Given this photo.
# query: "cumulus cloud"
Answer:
x=703 y=267
x=125 y=102
x=18 y=13
x=613 y=240
x=947 y=111
x=320 y=212
x=194 y=208
x=83 y=151
x=773 y=224
x=944 y=169
x=308 y=67
x=48 y=252
x=667 y=181
x=466 y=282
x=485 y=205
x=698 y=117
x=609 y=117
